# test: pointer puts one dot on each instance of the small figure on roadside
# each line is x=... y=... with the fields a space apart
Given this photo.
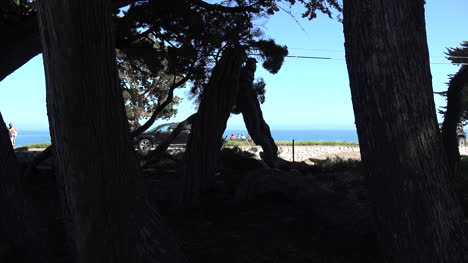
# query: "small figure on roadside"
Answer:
x=238 y=136
x=13 y=133
x=243 y=137
x=232 y=137
x=249 y=139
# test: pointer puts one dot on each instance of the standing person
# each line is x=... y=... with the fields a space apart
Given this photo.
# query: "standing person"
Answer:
x=249 y=139
x=13 y=133
x=232 y=137
x=242 y=137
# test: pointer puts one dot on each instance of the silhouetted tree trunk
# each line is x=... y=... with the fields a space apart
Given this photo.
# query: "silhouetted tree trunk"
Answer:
x=16 y=227
x=453 y=115
x=418 y=216
x=205 y=141
x=248 y=104
x=103 y=194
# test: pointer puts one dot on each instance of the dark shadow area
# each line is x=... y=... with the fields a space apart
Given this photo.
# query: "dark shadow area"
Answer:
x=299 y=213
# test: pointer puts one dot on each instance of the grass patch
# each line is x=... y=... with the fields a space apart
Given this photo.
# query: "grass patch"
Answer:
x=335 y=164
x=238 y=143
x=287 y=143
x=34 y=145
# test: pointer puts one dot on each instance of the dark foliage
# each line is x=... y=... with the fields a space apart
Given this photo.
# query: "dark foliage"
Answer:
x=325 y=7
x=271 y=53
x=458 y=55
x=259 y=87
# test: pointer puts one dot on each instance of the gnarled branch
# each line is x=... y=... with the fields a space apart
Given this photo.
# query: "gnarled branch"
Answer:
x=162 y=106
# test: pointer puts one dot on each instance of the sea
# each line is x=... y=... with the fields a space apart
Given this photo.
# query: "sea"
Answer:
x=29 y=137
x=26 y=137
x=305 y=135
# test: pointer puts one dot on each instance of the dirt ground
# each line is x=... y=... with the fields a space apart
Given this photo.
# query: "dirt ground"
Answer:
x=254 y=214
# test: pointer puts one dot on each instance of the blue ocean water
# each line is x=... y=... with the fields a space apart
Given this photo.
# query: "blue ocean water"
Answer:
x=305 y=135
x=29 y=137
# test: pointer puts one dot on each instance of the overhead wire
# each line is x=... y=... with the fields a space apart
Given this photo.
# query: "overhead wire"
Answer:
x=331 y=58
x=334 y=50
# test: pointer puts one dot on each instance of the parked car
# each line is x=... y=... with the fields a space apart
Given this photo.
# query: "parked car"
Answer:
x=461 y=135
x=150 y=139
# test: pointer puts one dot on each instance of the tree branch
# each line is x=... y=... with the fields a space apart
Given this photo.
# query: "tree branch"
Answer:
x=160 y=107
x=22 y=41
x=227 y=9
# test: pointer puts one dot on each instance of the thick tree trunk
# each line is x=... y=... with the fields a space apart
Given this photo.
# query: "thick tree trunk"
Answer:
x=17 y=227
x=416 y=210
x=248 y=104
x=453 y=116
x=13 y=229
x=102 y=189
x=217 y=101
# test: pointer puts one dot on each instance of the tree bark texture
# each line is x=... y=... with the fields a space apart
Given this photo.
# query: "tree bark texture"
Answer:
x=110 y=219
x=205 y=141
x=13 y=228
x=248 y=104
x=416 y=209
x=453 y=116
x=17 y=226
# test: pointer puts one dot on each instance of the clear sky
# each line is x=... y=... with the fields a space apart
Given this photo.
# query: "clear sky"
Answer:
x=304 y=94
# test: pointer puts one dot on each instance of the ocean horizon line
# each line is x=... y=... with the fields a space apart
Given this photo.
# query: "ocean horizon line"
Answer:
x=26 y=137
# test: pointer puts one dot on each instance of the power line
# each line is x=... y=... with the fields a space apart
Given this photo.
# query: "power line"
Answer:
x=335 y=50
x=315 y=57
x=328 y=58
x=316 y=49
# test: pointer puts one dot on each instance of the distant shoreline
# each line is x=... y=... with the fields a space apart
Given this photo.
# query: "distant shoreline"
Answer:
x=26 y=137
x=239 y=143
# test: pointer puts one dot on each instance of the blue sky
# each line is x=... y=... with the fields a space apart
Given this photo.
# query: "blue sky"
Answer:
x=304 y=94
